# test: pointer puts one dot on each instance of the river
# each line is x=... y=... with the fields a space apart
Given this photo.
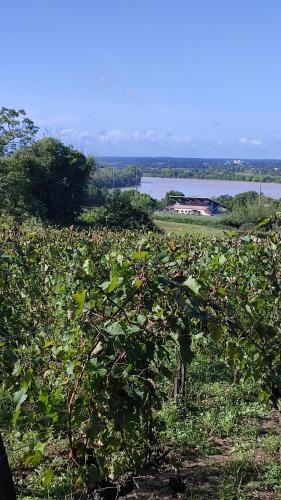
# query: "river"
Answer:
x=157 y=187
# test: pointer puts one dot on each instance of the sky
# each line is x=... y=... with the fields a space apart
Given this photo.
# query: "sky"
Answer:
x=198 y=78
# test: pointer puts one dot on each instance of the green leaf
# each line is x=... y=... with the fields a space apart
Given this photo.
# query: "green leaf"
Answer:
x=44 y=397
x=139 y=392
x=215 y=330
x=192 y=284
x=112 y=284
x=47 y=477
x=133 y=329
x=69 y=368
x=141 y=319
x=221 y=291
x=94 y=363
x=33 y=457
x=40 y=447
x=115 y=329
x=140 y=255
x=88 y=267
x=49 y=343
x=79 y=298
x=222 y=260
x=19 y=397
x=105 y=285
x=17 y=368
x=27 y=379
x=248 y=309
x=263 y=395
x=264 y=222
x=16 y=415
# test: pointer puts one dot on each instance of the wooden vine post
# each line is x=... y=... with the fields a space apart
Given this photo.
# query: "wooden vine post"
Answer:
x=7 y=489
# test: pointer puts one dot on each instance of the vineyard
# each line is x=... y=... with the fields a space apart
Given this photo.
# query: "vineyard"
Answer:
x=102 y=334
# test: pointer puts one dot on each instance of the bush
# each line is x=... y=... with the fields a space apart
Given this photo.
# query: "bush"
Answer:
x=122 y=210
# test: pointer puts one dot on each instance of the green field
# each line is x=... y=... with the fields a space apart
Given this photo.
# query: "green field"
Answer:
x=183 y=228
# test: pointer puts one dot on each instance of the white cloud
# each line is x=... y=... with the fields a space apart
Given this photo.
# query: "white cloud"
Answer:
x=134 y=142
x=74 y=134
x=115 y=136
x=151 y=142
x=86 y=134
x=253 y=142
x=112 y=136
x=68 y=132
x=151 y=139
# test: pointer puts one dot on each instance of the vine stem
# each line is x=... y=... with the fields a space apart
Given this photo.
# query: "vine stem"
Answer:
x=71 y=401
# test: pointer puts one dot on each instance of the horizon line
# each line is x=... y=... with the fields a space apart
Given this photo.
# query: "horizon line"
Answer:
x=191 y=157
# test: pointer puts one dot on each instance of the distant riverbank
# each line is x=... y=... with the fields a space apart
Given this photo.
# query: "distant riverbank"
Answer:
x=272 y=177
x=157 y=187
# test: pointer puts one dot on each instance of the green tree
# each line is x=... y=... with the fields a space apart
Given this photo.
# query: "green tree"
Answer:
x=225 y=199
x=110 y=177
x=143 y=201
x=172 y=193
x=244 y=199
x=48 y=180
x=164 y=202
x=123 y=210
x=16 y=130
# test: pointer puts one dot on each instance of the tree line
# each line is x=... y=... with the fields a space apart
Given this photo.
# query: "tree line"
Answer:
x=227 y=172
x=112 y=177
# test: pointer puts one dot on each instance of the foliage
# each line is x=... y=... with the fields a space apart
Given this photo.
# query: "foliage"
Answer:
x=16 y=130
x=167 y=200
x=84 y=344
x=91 y=323
x=172 y=193
x=47 y=180
x=241 y=200
x=112 y=177
x=96 y=197
x=123 y=210
x=250 y=273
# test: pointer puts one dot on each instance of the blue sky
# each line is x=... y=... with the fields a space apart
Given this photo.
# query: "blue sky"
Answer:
x=147 y=77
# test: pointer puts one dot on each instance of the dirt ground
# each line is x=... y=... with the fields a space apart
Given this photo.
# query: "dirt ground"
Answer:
x=195 y=478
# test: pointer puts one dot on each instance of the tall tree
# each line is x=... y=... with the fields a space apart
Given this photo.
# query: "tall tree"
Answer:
x=16 y=130
x=48 y=180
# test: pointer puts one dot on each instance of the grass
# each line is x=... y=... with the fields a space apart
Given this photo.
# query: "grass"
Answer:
x=192 y=229
x=225 y=439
